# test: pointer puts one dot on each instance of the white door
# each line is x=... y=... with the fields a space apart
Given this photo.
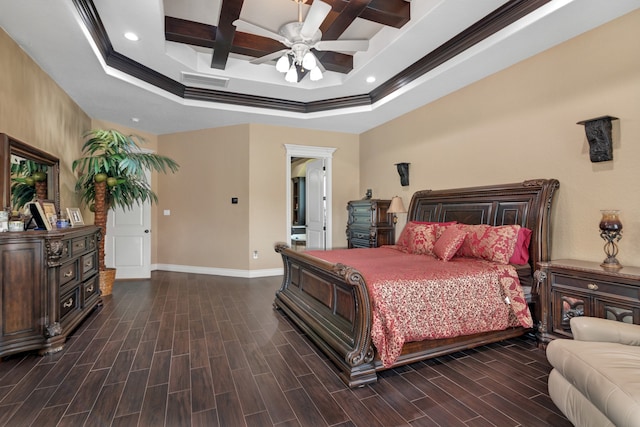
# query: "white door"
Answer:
x=316 y=205
x=128 y=242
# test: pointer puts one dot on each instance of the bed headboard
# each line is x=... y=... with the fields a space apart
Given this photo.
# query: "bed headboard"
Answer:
x=526 y=203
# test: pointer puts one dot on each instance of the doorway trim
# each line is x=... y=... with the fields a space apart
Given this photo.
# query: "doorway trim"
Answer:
x=311 y=152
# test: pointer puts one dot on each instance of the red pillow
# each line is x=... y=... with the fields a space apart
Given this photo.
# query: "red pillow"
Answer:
x=449 y=243
x=521 y=250
x=493 y=243
x=419 y=237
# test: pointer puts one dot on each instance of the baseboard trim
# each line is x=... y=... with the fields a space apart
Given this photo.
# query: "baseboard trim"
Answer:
x=247 y=274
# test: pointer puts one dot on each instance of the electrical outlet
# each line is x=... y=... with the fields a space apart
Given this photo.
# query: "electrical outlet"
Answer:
x=255 y=254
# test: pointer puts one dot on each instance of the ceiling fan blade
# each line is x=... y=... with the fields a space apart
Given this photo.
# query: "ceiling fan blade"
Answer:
x=257 y=30
x=269 y=57
x=342 y=45
x=317 y=13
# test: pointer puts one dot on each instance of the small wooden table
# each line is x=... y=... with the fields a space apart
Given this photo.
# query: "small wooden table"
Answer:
x=570 y=288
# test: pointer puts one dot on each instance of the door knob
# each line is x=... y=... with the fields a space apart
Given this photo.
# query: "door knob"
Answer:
x=147 y=231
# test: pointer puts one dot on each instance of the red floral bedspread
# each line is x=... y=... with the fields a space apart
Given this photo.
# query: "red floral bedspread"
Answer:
x=418 y=297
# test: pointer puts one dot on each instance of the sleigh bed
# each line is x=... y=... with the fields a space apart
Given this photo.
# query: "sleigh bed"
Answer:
x=334 y=304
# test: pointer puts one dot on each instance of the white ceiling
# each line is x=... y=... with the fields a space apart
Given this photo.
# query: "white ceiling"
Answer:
x=52 y=33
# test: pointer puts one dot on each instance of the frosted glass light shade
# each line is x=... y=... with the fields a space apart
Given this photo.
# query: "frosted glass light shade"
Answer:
x=315 y=74
x=282 y=64
x=292 y=75
x=309 y=61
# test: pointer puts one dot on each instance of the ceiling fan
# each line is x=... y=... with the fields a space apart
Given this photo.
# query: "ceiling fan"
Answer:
x=300 y=37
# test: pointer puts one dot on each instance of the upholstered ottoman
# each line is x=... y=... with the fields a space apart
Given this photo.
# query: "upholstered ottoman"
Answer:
x=595 y=379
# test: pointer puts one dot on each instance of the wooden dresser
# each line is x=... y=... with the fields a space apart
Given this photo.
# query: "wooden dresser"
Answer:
x=570 y=288
x=49 y=283
x=369 y=225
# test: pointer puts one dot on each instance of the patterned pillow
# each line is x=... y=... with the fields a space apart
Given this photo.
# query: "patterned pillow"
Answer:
x=449 y=243
x=419 y=237
x=488 y=242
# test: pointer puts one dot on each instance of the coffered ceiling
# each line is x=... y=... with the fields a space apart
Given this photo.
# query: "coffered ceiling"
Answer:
x=191 y=67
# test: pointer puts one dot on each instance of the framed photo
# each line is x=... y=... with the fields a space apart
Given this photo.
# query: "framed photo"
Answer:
x=75 y=216
x=49 y=211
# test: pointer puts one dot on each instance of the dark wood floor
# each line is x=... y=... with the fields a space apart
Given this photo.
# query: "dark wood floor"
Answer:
x=185 y=349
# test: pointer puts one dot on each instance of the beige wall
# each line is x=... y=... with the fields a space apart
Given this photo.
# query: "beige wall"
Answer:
x=247 y=162
x=204 y=228
x=520 y=124
x=35 y=110
x=268 y=166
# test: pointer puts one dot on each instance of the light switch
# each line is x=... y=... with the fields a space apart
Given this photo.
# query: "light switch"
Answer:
x=167 y=212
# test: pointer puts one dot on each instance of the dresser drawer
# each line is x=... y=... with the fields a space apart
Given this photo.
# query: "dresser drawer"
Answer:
x=360 y=243
x=359 y=235
x=89 y=264
x=361 y=209
x=361 y=220
x=90 y=289
x=69 y=303
x=78 y=246
x=599 y=286
x=68 y=272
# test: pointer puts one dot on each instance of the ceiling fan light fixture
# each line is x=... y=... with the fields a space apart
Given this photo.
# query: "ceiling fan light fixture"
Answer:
x=282 y=64
x=309 y=61
x=315 y=74
x=292 y=75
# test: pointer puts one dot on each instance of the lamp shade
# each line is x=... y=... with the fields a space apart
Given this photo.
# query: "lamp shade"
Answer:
x=315 y=74
x=309 y=61
x=292 y=75
x=282 y=64
x=396 y=206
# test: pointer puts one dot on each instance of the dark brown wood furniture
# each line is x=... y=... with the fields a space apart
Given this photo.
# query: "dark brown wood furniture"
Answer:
x=369 y=225
x=571 y=288
x=49 y=283
x=330 y=302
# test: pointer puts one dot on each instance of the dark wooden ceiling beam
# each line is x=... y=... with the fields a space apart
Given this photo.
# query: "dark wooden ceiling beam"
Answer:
x=189 y=32
x=335 y=24
x=335 y=61
x=392 y=13
x=256 y=46
x=229 y=12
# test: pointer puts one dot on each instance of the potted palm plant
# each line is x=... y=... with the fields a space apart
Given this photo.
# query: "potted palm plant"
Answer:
x=112 y=174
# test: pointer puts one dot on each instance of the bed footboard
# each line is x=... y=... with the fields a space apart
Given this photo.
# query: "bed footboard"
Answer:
x=331 y=305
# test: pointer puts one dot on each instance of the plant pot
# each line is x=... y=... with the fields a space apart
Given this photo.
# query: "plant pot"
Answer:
x=107 y=277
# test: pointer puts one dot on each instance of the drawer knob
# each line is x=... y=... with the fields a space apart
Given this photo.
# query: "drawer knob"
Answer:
x=68 y=274
x=90 y=288
x=68 y=303
x=592 y=286
x=88 y=264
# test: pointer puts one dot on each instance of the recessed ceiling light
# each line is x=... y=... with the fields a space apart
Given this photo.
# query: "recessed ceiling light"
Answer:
x=135 y=119
x=131 y=36
x=371 y=79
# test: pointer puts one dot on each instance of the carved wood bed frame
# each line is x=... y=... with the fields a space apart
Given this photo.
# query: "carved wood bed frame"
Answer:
x=330 y=302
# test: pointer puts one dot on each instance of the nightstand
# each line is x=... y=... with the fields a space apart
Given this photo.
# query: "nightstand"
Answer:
x=571 y=288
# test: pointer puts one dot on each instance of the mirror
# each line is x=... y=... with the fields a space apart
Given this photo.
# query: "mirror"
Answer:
x=27 y=172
